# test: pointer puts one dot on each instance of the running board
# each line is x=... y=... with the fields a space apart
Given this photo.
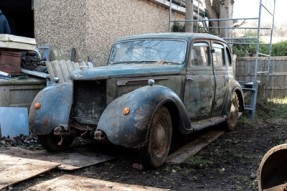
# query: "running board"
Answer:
x=199 y=125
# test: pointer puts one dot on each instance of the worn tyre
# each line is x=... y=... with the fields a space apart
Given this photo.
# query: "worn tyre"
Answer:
x=157 y=148
x=233 y=114
x=53 y=143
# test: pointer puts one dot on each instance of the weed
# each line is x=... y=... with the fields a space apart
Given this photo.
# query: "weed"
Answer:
x=198 y=161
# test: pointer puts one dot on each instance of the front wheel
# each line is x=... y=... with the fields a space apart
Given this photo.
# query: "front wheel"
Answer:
x=233 y=114
x=157 y=148
x=55 y=143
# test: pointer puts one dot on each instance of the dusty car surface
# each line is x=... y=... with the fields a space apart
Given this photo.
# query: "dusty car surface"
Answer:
x=154 y=85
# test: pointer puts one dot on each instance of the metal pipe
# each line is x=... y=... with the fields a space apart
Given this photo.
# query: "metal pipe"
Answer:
x=270 y=45
x=224 y=19
x=197 y=16
x=267 y=10
x=170 y=15
x=265 y=28
x=255 y=83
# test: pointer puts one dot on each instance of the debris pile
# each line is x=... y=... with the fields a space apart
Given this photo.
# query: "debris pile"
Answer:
x=29 y=142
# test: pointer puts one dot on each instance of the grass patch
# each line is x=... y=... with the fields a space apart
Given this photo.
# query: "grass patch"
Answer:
x=272 y=108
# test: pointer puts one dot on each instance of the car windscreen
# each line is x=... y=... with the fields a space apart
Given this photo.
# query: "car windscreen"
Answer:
x=148 y=51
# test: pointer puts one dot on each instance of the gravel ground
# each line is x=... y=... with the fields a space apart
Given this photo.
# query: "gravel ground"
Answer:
x=228 y=163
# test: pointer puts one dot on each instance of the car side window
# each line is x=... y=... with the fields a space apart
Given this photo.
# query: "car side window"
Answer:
x=199 y=54
x=218 y=55
x=228 y=55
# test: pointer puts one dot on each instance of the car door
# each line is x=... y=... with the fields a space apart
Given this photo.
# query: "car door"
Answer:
x=199 y=85
x=220 y=66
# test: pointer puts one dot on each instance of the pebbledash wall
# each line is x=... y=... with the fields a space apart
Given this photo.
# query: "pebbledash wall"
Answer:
x=91 y=26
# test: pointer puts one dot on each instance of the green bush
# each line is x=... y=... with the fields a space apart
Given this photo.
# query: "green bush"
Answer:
x=245 y=46
x=278 y=49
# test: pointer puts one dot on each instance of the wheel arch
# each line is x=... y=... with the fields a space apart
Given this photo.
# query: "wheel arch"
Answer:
x=234 y=86
x=175 y=116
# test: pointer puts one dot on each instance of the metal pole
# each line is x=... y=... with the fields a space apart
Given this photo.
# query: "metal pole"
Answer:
x=197 y=16
x=270 y=46
x=225 y=19
x=170 y=15
x=255 y=83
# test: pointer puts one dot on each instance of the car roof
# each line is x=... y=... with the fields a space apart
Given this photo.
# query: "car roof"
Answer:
x=173 y=35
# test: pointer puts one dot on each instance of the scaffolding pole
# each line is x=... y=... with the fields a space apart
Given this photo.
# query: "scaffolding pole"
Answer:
x=251 y=108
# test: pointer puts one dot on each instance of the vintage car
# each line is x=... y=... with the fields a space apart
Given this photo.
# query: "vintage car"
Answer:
x=154 y=85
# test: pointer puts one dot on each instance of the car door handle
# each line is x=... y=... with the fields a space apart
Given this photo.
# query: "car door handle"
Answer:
x=189 y=79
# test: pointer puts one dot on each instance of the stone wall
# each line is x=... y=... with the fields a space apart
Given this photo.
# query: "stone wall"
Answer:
x=90 y=26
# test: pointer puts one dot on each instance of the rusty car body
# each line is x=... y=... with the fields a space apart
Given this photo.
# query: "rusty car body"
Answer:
x=153 y=86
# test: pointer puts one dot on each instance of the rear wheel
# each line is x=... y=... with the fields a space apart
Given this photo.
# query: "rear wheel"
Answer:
x=233 y=115
x=55 y=143
x=157 y=148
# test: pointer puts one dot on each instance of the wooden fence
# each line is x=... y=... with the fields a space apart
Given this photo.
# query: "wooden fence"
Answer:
x=273 y=84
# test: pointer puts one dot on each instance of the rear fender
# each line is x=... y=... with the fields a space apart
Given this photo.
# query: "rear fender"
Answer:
x=131 y=130
x=56 y=102
x=234 y=86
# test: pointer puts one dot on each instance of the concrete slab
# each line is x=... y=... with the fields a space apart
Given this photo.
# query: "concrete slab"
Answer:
x=75 y=183
x=17 y=42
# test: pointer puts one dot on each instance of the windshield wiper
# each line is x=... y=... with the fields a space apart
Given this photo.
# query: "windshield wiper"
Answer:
x=147 y=62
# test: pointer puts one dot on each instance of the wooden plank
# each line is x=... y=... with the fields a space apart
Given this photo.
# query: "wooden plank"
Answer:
x=281 y=187
x=193 y=147
x=71 y=183
x=68 y=160
x=15 y=169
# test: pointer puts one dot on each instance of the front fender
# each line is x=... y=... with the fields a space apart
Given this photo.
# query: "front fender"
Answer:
x=56 y=102
x=131 y=130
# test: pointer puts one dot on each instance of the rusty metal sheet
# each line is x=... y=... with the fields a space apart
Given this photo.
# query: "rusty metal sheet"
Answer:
x=70 y=182
x=68 y=160
x=15 y=169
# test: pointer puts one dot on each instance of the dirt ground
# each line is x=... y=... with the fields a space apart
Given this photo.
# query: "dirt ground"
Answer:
x=228 y=163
